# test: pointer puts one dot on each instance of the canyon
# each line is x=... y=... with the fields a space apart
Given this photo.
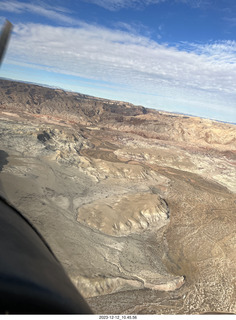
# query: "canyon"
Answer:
x=138 y=205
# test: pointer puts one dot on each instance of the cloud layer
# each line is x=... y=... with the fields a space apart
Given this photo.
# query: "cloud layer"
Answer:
x=96 y=52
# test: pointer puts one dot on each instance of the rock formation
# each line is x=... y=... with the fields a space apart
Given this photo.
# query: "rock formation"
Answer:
x=138 y=205
x=123 y=215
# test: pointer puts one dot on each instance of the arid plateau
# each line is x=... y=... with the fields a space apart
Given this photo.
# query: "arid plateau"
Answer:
x=138 y=205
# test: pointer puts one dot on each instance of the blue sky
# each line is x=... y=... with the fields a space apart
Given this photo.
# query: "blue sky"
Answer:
x=173 y=55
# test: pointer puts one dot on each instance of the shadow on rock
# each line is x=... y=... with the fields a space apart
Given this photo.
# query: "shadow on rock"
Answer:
x=3 y=159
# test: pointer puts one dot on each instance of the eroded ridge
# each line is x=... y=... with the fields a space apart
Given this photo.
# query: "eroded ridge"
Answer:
x=125 y=214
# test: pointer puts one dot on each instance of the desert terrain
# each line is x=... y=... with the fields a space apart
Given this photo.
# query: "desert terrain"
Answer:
x=138 y=205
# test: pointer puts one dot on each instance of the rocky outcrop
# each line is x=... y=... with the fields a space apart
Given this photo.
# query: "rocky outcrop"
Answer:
x=69 y=106
x=122 y=215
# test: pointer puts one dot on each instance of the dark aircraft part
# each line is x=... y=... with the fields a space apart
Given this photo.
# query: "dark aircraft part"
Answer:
x=32 y=281
x=5 y=34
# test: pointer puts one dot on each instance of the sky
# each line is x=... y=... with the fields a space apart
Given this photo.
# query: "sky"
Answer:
x=171 y=55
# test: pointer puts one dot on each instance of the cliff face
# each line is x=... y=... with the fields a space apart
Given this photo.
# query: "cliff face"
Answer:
x=130 y=199
x=38 y=100
x=116 y=115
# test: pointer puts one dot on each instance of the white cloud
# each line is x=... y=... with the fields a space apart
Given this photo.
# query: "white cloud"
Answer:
x=193 y=75
x=61 y=14
x=196 y=3
x=219 y=51
x=54 y=13
x=114 y=5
